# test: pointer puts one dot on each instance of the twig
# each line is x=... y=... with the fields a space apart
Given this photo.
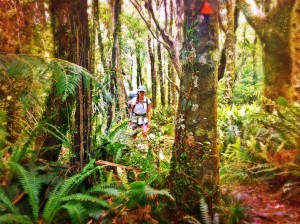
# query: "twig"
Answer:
x=19 y=198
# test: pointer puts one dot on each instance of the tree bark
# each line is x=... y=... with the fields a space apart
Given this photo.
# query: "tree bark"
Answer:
x=57 y=113
x=83 y=112
x=100 y=39
x=161 y=76
x=195 y=162
x=296 y=50
x=230 y=50
x=113 y=74
x=274 y=31
x=139 y=80
x=153 y=74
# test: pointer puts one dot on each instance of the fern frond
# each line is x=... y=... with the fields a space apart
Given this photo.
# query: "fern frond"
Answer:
x=30 y=184
x=119 y=127
x=151 y=191
x=57 y=134
x=191 y=218
x=86 y=198
x=123 y=177
x=13 y=218
x=68 y=187
x=7 y=203
x=77 y=212
x=102 y=189
x=204 y=211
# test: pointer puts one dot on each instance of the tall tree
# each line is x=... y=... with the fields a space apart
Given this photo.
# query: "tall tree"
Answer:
x=230 y=50
x=83 y=112
x=161 y=75
x=17 y=21
x=113 y=86
x=139 y=80
x=273 y=27
x=296 y=50
x=153 y=73
x=99 y=35
x=195 y=162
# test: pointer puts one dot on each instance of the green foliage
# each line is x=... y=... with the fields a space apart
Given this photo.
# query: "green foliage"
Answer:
x=110 y=145
x=69 y=186
x=85 y=198
x=31 y=185
x=77 y=212
x=164 y=115
x=3 y=131
x=6 y=203
x=13 y=218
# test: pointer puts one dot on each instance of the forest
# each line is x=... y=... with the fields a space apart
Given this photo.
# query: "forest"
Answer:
x=218 y=140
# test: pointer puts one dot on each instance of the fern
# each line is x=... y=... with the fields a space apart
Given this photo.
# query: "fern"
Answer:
x=7 y=203
x=13 y=218
x=204 y=211
x=30 y=183
x=191 y=219
x=85 y=198
x=100 y=188
x=77 y=212
x=151 y=191
x=68 y=187
x=123 y=177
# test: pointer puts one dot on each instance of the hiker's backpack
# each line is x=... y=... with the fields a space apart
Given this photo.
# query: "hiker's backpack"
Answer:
x=139 y=109
x=132 y=94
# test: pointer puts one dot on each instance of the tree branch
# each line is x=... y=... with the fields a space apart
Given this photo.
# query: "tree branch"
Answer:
x=254 y=16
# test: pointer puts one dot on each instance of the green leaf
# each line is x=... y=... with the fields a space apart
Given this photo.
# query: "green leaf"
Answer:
x=31 y=186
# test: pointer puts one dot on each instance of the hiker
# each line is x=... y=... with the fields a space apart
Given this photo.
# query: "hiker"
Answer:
x=141 y=111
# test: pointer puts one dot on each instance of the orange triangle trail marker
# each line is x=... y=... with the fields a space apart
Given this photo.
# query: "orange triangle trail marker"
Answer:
x=206 y=9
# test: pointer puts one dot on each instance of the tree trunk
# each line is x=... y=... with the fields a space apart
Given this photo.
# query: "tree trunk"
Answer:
x=113 y=74
x=230 y=50
x=274 y=31
x=139 y=80
x=296 y=50
x=195 y=162
x=17 y=22
x=83 y=112
x=100 y=39
x=161 y=76
x=57 y=113
x=153 y=74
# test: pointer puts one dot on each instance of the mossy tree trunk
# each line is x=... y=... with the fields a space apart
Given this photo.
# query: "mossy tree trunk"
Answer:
x=274 y=31
x=230 y=50
x=57 y=113
x=296 y=50
x=195 y=162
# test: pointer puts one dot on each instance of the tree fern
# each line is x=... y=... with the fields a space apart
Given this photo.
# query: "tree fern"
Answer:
x=68 y=187
x=30 y=183
x=7 y=203
x=13 y=218
x=77 y=212
x=86 y=198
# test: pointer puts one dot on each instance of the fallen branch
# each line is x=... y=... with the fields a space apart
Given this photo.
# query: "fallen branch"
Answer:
x=102 y=162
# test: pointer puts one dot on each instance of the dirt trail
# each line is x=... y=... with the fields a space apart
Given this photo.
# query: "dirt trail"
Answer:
x=268 y=206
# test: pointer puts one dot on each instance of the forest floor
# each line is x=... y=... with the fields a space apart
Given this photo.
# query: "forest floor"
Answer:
x=265 y=204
